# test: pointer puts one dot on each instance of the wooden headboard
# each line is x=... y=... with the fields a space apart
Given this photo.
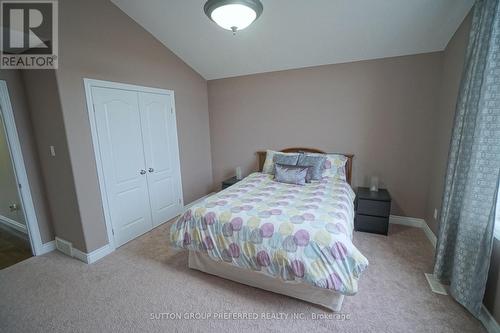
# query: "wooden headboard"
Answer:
x=348 y=166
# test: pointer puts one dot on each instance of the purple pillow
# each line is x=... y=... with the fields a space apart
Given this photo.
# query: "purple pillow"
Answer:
x=290 y=174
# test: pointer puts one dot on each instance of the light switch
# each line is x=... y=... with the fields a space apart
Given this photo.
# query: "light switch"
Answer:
x=52 y=151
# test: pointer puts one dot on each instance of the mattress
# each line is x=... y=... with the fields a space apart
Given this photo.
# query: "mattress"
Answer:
x=288 y=232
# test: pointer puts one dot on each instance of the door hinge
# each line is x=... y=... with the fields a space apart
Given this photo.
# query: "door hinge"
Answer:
x=172 y=110
x=113 y=231
x=20 y=186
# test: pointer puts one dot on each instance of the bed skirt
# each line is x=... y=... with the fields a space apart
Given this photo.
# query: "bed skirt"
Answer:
x=324 y=297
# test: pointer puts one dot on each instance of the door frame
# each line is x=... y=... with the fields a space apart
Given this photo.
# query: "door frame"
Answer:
x=20 y=173
x=92 y=83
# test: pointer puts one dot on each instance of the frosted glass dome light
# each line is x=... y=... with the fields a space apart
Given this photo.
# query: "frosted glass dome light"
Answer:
x=233 y=15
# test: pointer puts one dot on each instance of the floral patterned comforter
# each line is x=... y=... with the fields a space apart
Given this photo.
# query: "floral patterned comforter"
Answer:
x=292 y=232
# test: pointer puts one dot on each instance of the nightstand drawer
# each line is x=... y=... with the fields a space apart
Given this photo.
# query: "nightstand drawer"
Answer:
x=374 y=207
x=379 y=225
x=229 y=182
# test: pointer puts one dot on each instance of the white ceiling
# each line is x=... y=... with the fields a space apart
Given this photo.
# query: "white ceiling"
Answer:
x=293 y=34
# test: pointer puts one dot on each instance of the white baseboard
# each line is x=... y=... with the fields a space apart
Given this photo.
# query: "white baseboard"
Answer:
x=93 y=256
x=430 y=235
x=100 y=253
x=13 y=224
x=416 y=223
x=408 y=221
x=485 y=317
x=488 y=321
x=80 y=255
x=435 y=285
x=67 y=248
x=47 y=247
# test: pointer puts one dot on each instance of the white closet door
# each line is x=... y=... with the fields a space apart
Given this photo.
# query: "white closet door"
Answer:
x=119 y=131
x=162 y=156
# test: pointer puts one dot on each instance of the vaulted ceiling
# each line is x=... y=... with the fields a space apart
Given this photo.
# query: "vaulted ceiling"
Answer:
x=295 y=34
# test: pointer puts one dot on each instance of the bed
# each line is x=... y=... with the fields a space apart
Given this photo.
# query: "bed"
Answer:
x=289 y=239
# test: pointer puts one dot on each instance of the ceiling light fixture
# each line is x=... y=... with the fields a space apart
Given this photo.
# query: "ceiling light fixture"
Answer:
x=233 y=15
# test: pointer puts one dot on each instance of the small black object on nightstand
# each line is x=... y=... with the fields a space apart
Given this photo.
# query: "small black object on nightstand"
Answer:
x=229 y=182
x=373 y=210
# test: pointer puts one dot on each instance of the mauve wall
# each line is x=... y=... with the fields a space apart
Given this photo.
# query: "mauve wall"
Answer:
x=48 y=125
x=97 y=40
x=453 y=62
x=380 y=110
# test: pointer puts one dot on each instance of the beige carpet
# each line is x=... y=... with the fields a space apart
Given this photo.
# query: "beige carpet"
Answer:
x=119 y=293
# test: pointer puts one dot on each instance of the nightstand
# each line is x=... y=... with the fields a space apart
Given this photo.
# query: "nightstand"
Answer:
x=229 y=182
x=373 y=210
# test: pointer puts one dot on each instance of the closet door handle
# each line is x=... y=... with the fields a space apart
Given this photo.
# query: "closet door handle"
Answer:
x=142 y=172
x=151 y=169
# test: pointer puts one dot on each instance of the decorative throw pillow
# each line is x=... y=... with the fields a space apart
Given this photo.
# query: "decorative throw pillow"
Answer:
x=269 y=162
x=290 y=174
x=285 y=159
x=334 y=166
x=315 y=164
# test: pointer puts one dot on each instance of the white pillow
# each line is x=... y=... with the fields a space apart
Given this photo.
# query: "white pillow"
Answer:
x=335 y=166
x=269 y=162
